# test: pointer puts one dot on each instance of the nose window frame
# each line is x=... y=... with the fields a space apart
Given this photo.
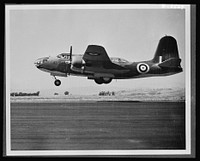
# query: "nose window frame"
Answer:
x=45 y=60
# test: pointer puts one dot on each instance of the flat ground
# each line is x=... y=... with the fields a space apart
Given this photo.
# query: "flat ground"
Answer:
x=97 y=125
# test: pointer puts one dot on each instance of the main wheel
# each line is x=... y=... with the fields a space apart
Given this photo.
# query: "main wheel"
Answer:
x=57 y=82
x=103 y=80
x=98 y=81
x=107 y=80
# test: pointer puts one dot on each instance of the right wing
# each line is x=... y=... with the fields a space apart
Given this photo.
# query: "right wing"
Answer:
x=96 y=56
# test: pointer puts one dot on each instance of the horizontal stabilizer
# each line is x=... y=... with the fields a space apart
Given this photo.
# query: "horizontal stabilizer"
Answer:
x=170 y=63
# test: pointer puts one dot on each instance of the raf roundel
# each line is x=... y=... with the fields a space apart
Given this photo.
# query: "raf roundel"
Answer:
x=142 y=68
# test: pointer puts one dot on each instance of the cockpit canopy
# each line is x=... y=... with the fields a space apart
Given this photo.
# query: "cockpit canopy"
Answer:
x=118 y=60
x=64 y=56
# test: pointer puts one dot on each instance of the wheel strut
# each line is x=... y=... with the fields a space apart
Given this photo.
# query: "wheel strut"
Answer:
x=57 y=82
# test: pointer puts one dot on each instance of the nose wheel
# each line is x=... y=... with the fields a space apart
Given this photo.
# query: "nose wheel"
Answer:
x=57 y=82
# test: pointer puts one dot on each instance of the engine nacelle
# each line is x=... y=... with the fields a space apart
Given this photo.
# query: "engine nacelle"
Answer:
x=78 y=62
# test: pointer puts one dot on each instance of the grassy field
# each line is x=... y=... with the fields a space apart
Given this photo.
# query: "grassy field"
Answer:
x=91 y=125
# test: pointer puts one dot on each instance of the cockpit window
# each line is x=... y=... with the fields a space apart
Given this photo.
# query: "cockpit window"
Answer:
x=64 y=56
x=45 y=60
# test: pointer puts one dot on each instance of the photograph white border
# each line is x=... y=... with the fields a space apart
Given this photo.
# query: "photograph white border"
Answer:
x=10 y=152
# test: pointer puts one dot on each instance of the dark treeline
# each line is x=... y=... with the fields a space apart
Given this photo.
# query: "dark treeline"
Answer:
x=106 y=93
x=24 y=94
x=66 y=93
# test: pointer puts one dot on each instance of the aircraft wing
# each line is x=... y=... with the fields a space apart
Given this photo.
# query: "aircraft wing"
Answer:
x=96 y=56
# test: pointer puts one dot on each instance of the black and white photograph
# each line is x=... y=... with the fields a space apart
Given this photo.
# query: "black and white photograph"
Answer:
x=98 y=80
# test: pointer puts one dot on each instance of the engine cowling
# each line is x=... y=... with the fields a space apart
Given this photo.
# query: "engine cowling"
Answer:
x=78 y=62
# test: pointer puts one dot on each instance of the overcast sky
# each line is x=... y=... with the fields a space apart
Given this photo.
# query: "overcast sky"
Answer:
x=132 y=34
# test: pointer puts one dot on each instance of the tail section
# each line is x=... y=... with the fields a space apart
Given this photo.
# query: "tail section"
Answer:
x=167 y=53
x=170 y=63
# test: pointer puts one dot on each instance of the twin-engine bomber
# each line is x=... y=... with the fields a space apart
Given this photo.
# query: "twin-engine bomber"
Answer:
x=96 y=65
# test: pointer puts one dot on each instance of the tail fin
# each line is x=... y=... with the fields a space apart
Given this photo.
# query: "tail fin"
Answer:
x=167 y=49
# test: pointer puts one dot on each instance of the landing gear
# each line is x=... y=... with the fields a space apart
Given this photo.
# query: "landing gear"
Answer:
x=107 y=80
x=57 y=82
x=103 y=80
x=99 y=81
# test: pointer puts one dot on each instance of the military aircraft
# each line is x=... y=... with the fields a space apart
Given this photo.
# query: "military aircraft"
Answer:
x=96 y=65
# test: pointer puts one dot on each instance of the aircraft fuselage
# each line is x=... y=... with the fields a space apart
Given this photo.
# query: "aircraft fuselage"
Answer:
x=96 y=65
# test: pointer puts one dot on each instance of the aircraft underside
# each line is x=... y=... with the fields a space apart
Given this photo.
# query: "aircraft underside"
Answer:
x=104 y=79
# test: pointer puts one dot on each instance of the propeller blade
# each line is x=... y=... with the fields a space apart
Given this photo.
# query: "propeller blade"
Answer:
x=70 y=53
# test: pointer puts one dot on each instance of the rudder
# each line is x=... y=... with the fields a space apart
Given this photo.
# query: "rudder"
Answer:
x=167 y=49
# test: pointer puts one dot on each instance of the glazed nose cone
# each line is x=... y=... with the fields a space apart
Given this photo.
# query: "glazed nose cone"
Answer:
x=39 y=62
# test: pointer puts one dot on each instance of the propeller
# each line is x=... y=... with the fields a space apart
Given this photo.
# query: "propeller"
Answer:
x=70 y=56
x=77 y=63
x=69 y=63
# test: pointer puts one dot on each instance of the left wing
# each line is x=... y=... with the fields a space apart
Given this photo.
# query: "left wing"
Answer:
x=96 y=56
